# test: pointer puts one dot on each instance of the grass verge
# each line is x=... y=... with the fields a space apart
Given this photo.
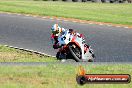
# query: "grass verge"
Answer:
x=51 y=75
x=58 y=75
x=12 y=55
x=99 y=12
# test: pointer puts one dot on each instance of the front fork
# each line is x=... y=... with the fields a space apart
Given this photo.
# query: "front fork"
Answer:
x=82 y=48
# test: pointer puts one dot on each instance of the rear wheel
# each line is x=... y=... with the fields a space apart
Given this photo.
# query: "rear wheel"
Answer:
x=75 y=51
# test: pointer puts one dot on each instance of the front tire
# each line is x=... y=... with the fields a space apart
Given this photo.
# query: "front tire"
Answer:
x=75 y=52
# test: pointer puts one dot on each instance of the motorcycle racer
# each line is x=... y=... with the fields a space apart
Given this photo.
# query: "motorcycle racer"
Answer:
x=58 y=35
x=68 y=39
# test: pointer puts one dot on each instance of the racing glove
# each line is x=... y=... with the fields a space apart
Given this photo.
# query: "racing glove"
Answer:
x=56 y=46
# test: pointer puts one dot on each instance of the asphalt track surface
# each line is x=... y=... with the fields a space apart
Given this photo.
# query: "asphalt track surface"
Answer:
x=110 y=44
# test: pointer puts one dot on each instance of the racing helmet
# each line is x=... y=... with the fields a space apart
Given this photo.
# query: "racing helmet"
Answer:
x=56 y=29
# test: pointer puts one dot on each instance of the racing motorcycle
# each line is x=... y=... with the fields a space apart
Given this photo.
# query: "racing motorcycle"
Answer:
x=75 y=47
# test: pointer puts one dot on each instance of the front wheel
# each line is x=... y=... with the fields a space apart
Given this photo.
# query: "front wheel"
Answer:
x=76 y=52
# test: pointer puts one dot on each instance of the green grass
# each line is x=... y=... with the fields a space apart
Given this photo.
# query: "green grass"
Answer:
x=57 y=76
x=100 y=12
x=12 y=55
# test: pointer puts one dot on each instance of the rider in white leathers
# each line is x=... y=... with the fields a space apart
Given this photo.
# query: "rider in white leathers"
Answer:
x=59 y=35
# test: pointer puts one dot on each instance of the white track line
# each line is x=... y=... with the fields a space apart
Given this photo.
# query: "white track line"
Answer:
x=28 y=50
x=125 y=27
x=101 y=24
x=90 y=23
x=118 y=26
x=74 y=21
x=109 y=25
